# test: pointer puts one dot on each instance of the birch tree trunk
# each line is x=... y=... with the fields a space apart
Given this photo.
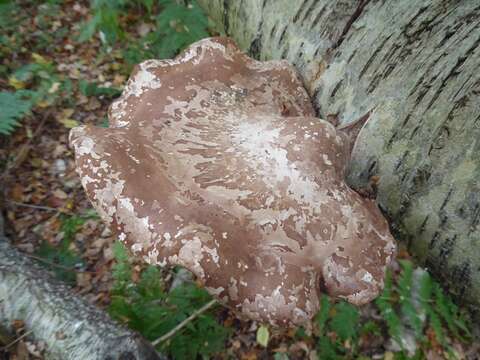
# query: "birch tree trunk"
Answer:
x=416 y=66
x=70 y=327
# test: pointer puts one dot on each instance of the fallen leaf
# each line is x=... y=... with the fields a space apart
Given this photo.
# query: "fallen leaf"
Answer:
x=388 y=356
x=54 y=88
x=17 y=84
x=39 y=59
x=263 y=336
x=60 y=194
x=69 y=123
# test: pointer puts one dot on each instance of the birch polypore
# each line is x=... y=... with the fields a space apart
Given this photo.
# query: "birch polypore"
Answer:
x=215 y=162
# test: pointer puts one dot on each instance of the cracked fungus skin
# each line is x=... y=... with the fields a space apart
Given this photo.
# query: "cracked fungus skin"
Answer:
x=215 y=162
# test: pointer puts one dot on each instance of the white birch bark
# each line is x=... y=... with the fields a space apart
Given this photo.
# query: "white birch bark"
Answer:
x=70 y=327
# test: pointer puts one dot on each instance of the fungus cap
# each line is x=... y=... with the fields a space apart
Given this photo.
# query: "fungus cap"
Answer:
x=215 y=162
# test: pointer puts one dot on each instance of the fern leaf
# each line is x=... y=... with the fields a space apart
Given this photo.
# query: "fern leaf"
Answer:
x=405 y=279
x=384 y=303
x=345 y=321
x=12 y=109
x=326 y=349
x=448 y=311
x=322 y=316
x=436 y=325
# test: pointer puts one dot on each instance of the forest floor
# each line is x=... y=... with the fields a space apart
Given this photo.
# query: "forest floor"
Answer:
x=48 y=215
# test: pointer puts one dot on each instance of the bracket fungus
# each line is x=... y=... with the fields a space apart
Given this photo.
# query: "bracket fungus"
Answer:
x=216 y=162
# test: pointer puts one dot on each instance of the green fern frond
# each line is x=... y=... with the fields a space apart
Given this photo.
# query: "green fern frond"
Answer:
x=322 y=316
x=449 y=312
x=345 y=321
x=384 y=303
x=436 y=325
x=405 y=279
x=13 y=108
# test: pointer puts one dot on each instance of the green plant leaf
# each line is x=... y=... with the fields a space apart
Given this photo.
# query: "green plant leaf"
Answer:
x=263 y=336
x=280 y=356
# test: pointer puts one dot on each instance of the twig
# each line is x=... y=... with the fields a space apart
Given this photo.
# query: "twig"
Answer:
x=39 y=207
x=183 y=323
x=66 y=268
x=16 y=340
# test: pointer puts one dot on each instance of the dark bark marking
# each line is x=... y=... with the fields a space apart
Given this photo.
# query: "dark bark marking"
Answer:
x=414 y=132
x=300 y=52
x=393 y=50
x=424 y=225
x=308 y=11
x=319 y=16
x=300 y=9
x=415 y=17
x=440 y=139
x=405 y=122
x=374 y=55
x=392 y=139
x=422 y=78
x=433 y=240
x=356 y=14
x=374 y=83
x=400 y=161
x=404 y=206
x=443 y=221
x=274 y=28
x=336 y=88
x=460 y=88
x=446 y=248
x=453 y=72
x=424 y=26
x=317 y=51
x=447 y=198
x=316 y=103
x=372 y=166
x=475 y=219
x=421 y=177
x=388 y=70
x=351 y=56
x=226 y=22
x=448 y=34
x=461 y=278
x=256 y=47
x=282 y=36
x=421 y=94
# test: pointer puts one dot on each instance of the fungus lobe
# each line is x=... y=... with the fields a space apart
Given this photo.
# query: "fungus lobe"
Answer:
x=215 y=162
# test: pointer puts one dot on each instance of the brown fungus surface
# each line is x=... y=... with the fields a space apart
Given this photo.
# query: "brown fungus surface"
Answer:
x=215 y=162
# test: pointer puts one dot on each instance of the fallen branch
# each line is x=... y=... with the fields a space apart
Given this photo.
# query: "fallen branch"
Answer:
x=177 y=328
x=16 y=340
x=32 y=206
x=70 y=327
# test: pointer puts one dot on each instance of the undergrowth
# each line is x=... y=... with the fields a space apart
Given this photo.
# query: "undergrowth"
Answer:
x=62 y=258
x=167 y=26
x=412 y=306
x=148 y=307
